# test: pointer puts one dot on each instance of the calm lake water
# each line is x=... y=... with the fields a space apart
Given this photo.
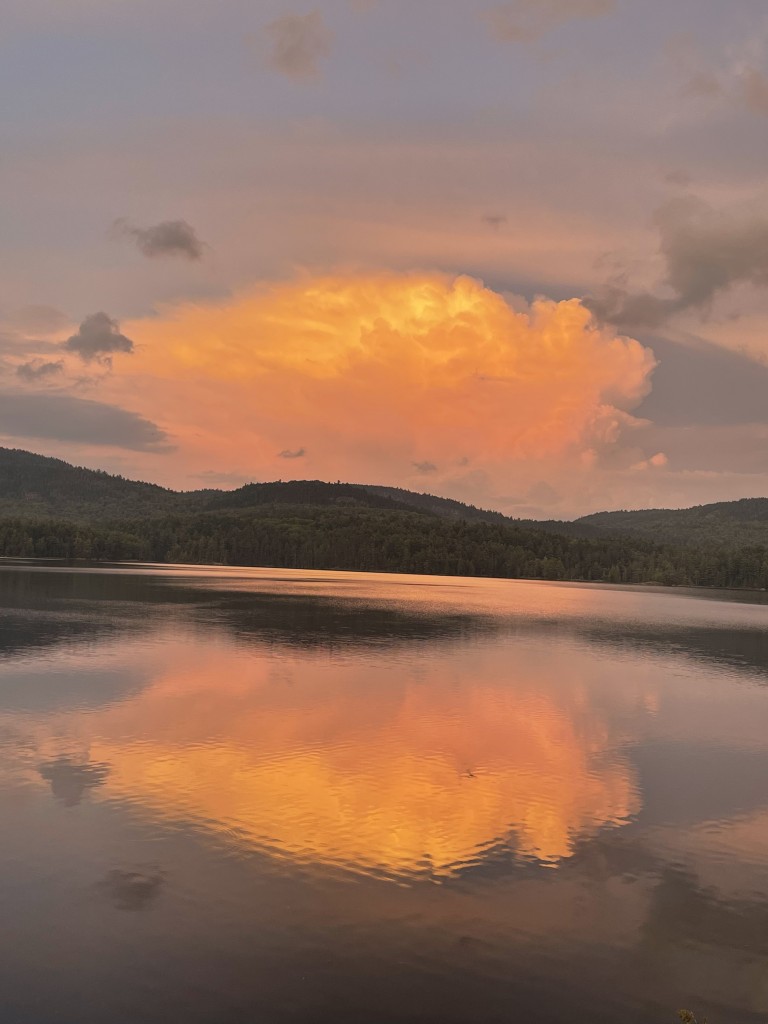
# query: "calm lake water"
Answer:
x=269 y=796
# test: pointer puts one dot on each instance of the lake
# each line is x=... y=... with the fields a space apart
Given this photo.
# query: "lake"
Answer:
x=234 y=795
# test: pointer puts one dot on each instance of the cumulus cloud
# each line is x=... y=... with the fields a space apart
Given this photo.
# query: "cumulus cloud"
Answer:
x=657 y=461
x=706 y=251
x=524 y=21
x=378 y=369
x=297 y=43
x=98 y=337
x=288 y=453
x=36 y=370
x=168 y=238
x=66 y=418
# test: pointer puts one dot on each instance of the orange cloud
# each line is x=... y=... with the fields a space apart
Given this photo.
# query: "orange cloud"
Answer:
x=372 y=375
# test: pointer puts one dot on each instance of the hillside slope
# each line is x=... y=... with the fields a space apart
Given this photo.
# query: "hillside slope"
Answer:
x=729 y=523
x=35 y=485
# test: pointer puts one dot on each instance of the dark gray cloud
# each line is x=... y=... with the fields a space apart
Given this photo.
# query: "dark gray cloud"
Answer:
x=706 y=251
x=524 y=21
x=98 y=336
x=66 y=418
x=424 y=467
x=169 y=238
x=288 y=453
x=35 y=371
x=297 y=43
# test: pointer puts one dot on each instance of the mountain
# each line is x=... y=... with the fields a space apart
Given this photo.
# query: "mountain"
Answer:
x=730 y=523
x=36 y=485
x=49 y=509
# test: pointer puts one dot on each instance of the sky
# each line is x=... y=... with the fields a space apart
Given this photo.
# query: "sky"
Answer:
x=514 y=253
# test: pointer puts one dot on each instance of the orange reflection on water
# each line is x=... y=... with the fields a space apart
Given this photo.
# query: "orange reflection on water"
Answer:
x=366 y=765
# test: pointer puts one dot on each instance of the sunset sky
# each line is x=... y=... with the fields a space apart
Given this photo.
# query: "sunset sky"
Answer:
x=514 y=253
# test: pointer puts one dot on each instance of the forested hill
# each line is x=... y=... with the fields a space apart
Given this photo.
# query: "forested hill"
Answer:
x=729 y=523
x=49 y=509
x=35 y=485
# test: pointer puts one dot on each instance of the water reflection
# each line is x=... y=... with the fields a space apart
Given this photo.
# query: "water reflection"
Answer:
x=70 y=780
x=133 y=889
x=385 y=769
x=208 y=785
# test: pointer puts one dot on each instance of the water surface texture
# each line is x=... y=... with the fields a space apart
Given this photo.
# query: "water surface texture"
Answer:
x=261 y=795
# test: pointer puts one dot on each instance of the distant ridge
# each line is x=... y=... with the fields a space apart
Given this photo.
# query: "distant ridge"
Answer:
x=50 y=509
x=726 y=522
x=38 y=485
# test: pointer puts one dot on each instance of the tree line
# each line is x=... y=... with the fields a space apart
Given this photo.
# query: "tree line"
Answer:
x=371 y=539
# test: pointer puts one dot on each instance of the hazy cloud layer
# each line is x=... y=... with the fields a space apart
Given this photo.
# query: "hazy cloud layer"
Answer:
x=98 y=336
x=740 y=80
x=701 y=384
x=66 y=418
x=524 y=21
x=706 y=251
x=169 y=238
x=297 y=43
x=37 y=318
x=218 y=478
x=36 y=370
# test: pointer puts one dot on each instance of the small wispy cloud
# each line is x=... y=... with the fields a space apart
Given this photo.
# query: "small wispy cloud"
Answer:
x=525 y=21
x=36 y=370
x=424 y=467
x=287 y=453
x=296 y=43
x=495 y=220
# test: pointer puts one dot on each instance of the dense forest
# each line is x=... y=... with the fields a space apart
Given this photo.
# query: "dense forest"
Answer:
x=51 y=510
x=312 y=537
x=729 y=523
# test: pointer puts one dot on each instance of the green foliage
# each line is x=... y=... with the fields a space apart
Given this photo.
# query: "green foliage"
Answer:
x=49 y=509
x=372 y=539
x=727 y=523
